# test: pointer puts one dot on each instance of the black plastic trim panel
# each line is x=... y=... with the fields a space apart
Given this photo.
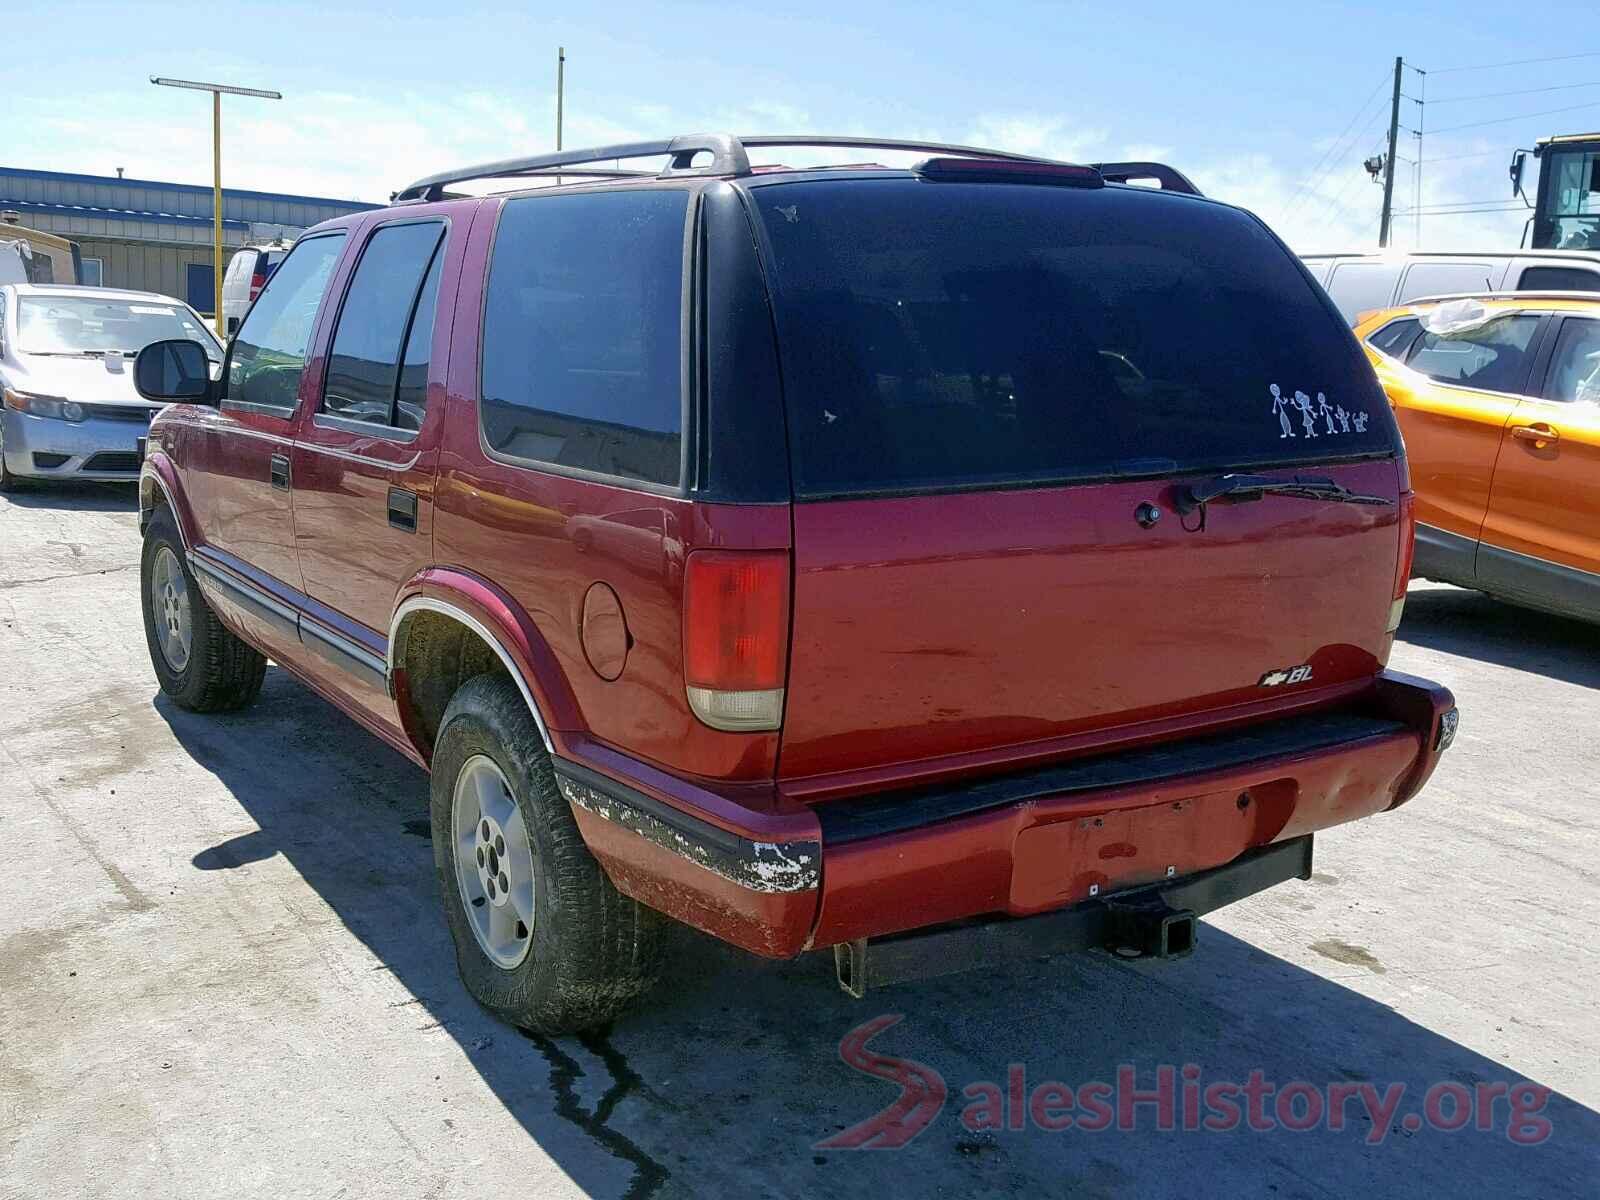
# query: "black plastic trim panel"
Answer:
x=859 y=818
x=759 y=866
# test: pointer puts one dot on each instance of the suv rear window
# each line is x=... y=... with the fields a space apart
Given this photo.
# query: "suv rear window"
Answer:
x=940 y=335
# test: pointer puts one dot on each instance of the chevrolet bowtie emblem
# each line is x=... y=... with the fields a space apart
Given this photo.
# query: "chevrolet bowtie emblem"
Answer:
x=1284 y=675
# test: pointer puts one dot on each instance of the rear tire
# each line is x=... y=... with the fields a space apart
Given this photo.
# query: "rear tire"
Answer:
x=199 y=662
x=590 y=951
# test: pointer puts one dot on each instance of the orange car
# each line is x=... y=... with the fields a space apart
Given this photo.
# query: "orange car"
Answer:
x=1498 y=397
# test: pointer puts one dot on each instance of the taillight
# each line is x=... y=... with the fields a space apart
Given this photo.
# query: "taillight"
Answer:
x=1408 y=552
x=257 y=282
x=736 y=637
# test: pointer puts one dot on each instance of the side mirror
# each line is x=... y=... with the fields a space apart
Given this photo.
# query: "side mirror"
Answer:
x=1518 y=161
x=174 y=371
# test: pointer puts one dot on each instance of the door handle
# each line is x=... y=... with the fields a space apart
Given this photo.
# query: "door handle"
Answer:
x=280 y=472
x=403 y=509
x=1539 y=433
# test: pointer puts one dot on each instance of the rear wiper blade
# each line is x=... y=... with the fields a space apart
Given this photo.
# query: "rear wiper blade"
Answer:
x=1253 y=487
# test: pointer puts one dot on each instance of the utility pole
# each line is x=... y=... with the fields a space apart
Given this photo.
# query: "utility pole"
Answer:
x=561 y=88
x=216 y=90
x=1388 y=160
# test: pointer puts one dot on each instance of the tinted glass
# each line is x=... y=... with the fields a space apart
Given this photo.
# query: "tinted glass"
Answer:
x=268 y=355
x=78 y=325
x=954 y=334
x=1575 y=367
x=364 y=362
x=1395 y=337
x=1358 y=286
x=582 y=332
x=411 y=401
x=1492 y=356
x=1559 y=279
x=1442 y=279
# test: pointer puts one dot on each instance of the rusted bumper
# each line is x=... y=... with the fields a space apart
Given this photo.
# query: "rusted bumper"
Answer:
x=777 y=882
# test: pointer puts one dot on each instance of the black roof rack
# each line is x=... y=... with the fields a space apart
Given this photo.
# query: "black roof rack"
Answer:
x=729 y=157
x=1171 y=180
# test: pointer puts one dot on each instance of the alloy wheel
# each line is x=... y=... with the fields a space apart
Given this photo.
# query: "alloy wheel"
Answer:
x=494 y=861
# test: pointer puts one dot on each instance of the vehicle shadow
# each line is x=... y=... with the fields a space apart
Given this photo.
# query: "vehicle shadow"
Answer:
x=1472 y=625
x=728 y=1077
x=77 y=497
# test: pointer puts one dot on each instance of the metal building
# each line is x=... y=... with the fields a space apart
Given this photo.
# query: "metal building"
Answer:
x=154 y=236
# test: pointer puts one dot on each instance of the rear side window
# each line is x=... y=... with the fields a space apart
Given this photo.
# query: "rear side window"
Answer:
x=1559 y=279
x=1442 y=279
x=582 y=334
x=1493 y=357
x=938 y=336
x=381 y=311
x=1358 y=286
x=267 y=357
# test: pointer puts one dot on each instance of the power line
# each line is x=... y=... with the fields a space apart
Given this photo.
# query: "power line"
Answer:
x=1516 y=62
x=1354 y=144
x=1316 y=170
x=1454 y=157
x=1560 y=87
x=1336 y=202
x=1519 y=117
x=1464 y=205
x=1445 y=210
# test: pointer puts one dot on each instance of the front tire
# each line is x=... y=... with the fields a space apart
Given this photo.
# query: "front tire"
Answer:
x=9 y=481
x=198 y=661
x=542 y=937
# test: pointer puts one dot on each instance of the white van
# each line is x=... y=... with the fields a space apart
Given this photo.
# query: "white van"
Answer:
x=1362 y=282
x=248 y=270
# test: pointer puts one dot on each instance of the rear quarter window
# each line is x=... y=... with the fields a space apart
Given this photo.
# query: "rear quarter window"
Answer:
x=1559 y=279
x=582 y=334
x=950 y=335
x=1395 y=338
x=1358 y=286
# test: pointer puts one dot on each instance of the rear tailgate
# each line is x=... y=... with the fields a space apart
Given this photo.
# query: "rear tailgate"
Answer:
x=991 y=389
x=945 y=624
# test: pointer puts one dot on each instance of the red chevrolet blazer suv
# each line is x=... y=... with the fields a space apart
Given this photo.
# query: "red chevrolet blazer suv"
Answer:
x=945 y=564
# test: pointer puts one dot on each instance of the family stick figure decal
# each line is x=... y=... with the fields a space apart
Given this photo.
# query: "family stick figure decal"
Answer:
x=1336 y=418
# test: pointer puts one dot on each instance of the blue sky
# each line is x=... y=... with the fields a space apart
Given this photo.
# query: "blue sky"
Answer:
x=1251 y=98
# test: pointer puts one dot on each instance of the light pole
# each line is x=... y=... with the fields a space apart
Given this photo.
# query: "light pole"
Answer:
x=216 y=90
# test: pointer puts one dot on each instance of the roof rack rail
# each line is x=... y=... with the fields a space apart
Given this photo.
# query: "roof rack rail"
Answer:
x=1170 y=179
x=729 y=157
x=1487 y=294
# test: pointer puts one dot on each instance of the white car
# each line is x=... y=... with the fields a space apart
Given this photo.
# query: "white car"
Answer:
x=70 y=410
x=247 y=273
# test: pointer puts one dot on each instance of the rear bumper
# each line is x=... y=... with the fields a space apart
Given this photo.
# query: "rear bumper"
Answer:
x=1116 y=923
x=779 y=882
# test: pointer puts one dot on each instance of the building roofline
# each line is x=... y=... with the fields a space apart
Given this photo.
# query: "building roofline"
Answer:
x=93 y=213
x=189 y=188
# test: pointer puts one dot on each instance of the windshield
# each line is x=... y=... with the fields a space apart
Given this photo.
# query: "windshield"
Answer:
x=1573 y=198
x=85 y=325
x=939 y=335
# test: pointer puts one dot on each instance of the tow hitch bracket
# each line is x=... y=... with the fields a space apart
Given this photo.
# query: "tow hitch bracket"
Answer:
x=1156 y=921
